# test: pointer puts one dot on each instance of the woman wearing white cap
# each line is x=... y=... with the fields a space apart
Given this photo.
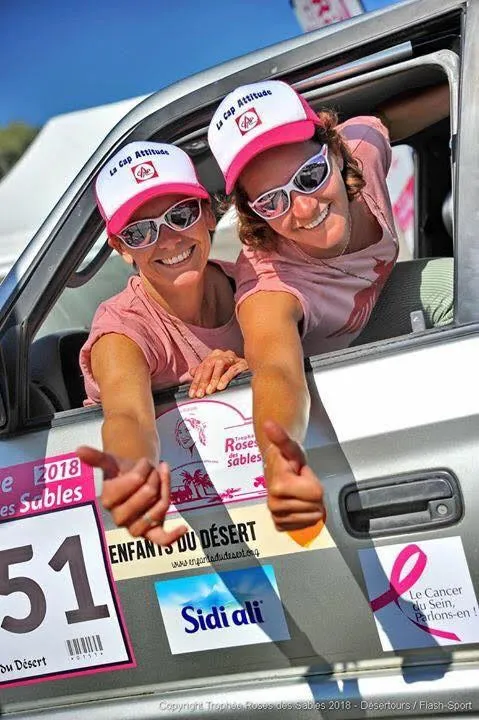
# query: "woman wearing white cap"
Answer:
x=319 y=243
x=173 y=323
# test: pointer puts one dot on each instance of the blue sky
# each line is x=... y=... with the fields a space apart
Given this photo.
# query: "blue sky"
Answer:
x=57 y=56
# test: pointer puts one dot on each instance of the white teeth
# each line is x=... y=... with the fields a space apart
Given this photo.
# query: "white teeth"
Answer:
x=318 y=220
x=177 y=258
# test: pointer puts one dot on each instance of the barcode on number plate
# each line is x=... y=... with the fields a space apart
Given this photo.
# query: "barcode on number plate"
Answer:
x=84 y=645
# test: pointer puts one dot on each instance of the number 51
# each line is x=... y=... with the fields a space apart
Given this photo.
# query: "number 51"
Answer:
x=70 y=552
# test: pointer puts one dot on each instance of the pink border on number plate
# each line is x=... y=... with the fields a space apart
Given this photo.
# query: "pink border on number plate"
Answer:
x=86 y=478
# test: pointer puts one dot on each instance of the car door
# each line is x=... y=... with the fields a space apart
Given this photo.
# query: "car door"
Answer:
x=373 y=614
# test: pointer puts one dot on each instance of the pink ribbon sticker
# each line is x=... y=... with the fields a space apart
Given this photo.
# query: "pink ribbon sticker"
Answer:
x=398 y=585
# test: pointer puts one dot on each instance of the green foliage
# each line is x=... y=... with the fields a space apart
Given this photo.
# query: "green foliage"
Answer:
x=14 y=140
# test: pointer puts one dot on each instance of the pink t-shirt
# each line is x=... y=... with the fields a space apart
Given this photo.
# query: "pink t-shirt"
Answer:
x=336 y=295
x=170 y=346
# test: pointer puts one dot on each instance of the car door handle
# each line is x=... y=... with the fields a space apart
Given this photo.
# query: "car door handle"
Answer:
x=403 y=503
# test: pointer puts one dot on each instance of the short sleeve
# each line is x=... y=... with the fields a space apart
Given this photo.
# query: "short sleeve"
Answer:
x=257 y=273
x=110 y=319
x=368 y=140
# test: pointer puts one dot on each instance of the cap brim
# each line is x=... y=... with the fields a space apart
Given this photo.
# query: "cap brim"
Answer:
x=298 y=131
x=121 y=217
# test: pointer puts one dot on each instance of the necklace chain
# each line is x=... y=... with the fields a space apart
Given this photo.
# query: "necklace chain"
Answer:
x=348 y=240
x=311 y=261
x=326 y=262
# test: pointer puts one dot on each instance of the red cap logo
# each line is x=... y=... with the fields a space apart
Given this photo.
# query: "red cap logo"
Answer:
x=144 y=171
x=248 y=120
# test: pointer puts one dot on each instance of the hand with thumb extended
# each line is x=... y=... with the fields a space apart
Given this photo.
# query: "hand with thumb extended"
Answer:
x=290 y=449
x=137 y=494
x=112 y=465
x=295 y=494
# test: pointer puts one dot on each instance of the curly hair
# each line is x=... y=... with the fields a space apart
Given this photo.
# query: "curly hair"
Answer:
x=253 y=230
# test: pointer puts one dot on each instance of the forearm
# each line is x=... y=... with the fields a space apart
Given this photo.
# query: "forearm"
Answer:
x=406 y=116
x=280 y=396
x=126 y=437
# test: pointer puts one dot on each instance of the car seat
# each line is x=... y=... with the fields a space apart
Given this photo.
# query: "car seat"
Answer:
x=54 y=366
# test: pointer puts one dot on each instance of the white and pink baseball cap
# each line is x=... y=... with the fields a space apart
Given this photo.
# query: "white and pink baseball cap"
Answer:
x=138 y=172
x=254 y=118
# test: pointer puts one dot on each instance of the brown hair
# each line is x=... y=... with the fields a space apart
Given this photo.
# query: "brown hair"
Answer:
x=253 y=230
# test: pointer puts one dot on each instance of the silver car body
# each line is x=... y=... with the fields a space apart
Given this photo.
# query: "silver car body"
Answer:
x=384 y=415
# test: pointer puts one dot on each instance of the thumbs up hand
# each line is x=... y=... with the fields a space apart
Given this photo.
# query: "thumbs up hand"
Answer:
x=295 y=494
x=137 y=494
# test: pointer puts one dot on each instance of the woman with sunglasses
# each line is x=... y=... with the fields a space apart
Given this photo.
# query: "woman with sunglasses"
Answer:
x=319 y=243
x=173 y=323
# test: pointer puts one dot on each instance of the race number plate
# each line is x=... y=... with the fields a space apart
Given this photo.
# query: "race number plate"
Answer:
x=59 y=614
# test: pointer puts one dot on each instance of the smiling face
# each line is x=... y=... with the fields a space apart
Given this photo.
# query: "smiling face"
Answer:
x=177 y=258
x=319 y=222
x=183 y=436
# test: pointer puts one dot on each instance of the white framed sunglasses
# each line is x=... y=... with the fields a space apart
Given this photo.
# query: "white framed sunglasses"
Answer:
x=307 y=180
x=180 y=216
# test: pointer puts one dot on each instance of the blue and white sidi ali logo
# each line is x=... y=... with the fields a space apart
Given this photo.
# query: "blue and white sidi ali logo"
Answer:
x=238 y=607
